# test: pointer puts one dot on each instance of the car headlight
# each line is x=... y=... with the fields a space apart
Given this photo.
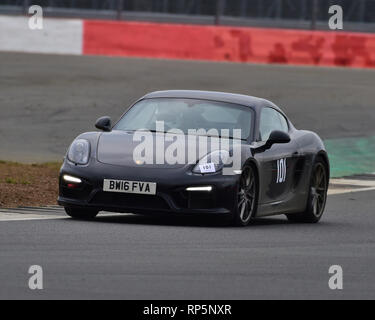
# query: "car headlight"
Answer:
x=213 y=162
x=79 y=151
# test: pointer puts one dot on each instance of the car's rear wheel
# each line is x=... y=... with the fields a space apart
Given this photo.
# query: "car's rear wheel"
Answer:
x=81 y=214
x=247 y=197
x=317 y=196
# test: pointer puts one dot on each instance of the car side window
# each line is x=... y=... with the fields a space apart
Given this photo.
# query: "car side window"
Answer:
x=284 y=123
x=271 y=120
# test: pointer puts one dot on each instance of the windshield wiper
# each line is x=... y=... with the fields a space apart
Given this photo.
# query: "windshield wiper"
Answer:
x=220 y=137
x=145 y=130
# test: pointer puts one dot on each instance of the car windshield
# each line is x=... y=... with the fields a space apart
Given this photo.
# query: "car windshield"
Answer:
x=186 y=115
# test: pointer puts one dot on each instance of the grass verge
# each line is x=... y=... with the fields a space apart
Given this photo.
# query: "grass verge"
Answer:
x=351 y=156
x=28 y=184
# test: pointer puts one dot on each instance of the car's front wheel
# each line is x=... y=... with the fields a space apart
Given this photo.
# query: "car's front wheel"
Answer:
x=247 y=197
x=81 y=214
x=317 y=196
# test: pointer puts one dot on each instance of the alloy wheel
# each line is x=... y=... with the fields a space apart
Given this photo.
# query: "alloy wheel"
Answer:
x=246 y=195
x=319 y=190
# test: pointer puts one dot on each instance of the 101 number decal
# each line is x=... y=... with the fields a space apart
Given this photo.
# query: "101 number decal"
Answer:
x=281 y=171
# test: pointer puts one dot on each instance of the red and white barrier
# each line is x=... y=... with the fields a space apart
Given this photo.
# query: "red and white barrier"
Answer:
x=171 y=41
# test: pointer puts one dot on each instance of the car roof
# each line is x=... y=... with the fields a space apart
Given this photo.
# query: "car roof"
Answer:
x=240 y=99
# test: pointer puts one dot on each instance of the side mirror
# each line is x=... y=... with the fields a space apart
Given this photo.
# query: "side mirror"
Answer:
x=278 y=137
x=104 y=123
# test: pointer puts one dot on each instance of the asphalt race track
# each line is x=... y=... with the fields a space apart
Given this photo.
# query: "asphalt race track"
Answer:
x=137 y=257
x=45 y=101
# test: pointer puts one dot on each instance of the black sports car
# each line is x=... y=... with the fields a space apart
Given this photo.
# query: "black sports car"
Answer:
x=197 y=152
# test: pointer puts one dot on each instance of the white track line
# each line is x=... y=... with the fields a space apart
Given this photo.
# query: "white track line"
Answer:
x=332 y=192
x=26 y=217
x=366 y=185
x=30 y=213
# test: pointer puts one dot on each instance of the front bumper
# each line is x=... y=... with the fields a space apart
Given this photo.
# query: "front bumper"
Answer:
x=171 y=195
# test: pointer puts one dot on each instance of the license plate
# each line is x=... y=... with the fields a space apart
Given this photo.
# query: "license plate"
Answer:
x=124 y=186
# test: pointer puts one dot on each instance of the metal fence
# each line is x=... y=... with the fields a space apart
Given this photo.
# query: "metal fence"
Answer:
x=358 y=11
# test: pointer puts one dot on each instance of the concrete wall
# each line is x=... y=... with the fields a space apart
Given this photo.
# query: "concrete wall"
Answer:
x=59 y=36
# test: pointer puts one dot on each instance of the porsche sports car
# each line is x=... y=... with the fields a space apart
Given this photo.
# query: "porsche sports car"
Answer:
x=265 y=167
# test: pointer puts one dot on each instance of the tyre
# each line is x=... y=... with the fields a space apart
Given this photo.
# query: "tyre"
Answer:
x=317 y=195
x=81 y=214
x=247 y=197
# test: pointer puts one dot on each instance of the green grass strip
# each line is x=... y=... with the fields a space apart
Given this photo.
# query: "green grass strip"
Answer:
x=350 y=156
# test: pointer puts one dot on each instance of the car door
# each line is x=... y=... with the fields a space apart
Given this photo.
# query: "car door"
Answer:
x=278 y=162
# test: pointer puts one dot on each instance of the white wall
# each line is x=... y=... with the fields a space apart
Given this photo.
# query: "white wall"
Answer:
x=59 y=36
